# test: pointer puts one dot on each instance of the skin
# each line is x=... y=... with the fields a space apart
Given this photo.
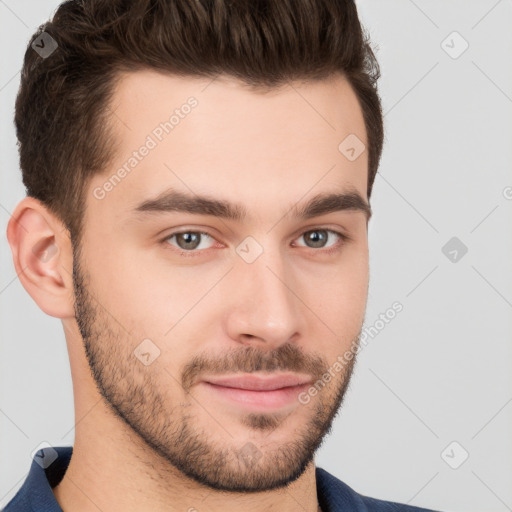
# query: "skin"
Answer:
x=153 y=437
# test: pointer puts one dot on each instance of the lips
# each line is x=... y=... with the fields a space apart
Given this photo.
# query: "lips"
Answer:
x=260 y=383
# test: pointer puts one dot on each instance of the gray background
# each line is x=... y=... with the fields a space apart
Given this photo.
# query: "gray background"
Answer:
x=439 y=372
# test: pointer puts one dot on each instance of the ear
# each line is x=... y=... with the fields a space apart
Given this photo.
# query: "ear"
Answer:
x=42 y=256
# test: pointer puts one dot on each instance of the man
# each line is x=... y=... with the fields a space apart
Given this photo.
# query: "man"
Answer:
x=198 y=179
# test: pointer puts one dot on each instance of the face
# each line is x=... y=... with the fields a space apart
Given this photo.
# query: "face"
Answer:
x=205 y=260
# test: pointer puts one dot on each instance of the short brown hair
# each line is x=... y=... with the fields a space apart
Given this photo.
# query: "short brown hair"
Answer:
x=62 y=109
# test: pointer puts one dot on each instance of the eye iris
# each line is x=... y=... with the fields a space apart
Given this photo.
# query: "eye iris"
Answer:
x=318 y=237
x=189 y=238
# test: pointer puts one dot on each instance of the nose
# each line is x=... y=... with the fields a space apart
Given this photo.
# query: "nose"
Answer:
x=264 y=310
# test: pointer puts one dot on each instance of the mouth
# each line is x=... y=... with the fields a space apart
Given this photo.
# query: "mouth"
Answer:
x=258 y=392
x=252 y=382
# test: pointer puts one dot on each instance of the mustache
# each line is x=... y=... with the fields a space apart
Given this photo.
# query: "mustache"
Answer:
x=288 y=357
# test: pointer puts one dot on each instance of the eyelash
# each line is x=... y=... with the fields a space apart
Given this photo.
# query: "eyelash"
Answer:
x=194 y=252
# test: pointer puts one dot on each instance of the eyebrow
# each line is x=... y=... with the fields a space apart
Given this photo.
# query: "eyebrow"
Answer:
x=175 y=201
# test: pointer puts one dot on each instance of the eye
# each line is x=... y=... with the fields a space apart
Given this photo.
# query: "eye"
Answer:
x=188 y=241
x=318 y=238
x=192 y=243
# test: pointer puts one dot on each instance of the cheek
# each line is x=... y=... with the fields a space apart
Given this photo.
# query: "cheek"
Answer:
x=150 y=295
x=353 y=285
x=338 y=294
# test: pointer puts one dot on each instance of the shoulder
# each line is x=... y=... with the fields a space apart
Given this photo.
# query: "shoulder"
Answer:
x=335 y=495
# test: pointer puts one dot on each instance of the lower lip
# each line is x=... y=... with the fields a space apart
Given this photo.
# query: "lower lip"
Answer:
x=273 y=399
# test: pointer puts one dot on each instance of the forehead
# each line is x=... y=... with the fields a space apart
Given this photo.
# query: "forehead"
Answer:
x=220 y=137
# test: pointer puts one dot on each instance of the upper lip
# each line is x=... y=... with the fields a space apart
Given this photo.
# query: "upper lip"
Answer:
x=259 y=382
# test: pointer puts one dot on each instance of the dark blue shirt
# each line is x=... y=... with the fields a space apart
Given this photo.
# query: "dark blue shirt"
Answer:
x=36 y=495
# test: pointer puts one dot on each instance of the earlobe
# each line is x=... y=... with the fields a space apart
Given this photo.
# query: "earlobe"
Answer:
x=42 y=257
